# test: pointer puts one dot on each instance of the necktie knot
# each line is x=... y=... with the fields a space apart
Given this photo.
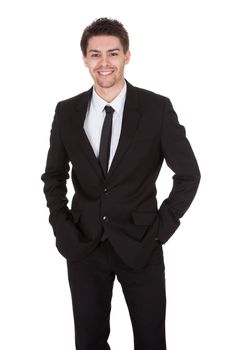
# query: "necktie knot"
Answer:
x=109 y=109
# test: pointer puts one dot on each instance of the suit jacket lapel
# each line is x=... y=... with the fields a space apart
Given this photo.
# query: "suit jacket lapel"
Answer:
x=81 y=134
x=130 y=121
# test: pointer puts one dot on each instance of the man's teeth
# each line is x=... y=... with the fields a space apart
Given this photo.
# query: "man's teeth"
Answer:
x=106 y=73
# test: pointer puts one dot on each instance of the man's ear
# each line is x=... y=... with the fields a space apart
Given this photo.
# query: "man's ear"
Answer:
x=127 y=57
x=84 y=60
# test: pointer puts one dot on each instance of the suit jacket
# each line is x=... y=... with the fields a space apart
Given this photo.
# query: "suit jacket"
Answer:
x=123 y=204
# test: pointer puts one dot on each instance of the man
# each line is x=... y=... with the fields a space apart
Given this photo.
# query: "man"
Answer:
x=116 y=137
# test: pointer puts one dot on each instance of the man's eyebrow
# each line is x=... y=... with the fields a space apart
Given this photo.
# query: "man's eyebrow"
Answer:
x=110 y=50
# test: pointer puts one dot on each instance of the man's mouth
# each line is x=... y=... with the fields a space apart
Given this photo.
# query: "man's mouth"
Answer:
x=105 y=72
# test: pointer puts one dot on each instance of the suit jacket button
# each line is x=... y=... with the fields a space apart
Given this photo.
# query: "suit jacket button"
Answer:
x=105 y=190
x=105 y=218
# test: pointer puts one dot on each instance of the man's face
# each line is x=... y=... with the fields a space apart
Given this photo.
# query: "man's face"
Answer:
x=106 y=60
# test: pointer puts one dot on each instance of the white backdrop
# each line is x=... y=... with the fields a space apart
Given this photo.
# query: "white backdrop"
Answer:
x=181 y=49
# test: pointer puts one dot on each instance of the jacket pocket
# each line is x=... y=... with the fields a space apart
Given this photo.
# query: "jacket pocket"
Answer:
x=143 y=217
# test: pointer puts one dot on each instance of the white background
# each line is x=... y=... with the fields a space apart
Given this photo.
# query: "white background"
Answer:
x=181 y=49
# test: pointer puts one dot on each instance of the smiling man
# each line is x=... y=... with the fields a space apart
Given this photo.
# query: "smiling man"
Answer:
x=116 y=137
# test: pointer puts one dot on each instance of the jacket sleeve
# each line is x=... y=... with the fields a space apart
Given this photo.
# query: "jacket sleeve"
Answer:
x=55 y=175
x=181 y=160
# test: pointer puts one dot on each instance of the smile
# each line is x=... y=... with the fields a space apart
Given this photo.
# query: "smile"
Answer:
x=105 y=73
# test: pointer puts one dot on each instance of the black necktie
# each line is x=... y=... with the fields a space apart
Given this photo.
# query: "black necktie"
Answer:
x=105 y=141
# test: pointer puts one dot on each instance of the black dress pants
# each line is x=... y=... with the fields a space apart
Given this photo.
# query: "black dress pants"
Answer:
x=91 y=283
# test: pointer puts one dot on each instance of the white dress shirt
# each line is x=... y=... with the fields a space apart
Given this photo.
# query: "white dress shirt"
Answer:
x=94 y=119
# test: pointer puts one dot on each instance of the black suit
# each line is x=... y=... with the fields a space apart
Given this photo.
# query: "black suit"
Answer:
x=124 y=203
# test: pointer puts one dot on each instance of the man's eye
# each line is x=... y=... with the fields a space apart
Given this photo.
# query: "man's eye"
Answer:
x=114 y=54
x=95 y=55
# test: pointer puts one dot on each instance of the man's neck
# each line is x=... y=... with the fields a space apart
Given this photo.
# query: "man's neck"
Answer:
x=109 y=94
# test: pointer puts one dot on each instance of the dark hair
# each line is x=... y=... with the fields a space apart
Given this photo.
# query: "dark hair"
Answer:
x=104 y=26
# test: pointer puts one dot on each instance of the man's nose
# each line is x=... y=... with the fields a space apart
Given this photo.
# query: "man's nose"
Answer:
x=105 y=60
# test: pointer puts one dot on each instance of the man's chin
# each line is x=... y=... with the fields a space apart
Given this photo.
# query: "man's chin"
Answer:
x=105 y=84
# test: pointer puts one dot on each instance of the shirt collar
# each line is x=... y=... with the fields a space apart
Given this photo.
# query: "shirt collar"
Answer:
x=99 y=103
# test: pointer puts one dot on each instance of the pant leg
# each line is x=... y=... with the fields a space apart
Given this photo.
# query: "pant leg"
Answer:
x=145 y=295
x=91 y=283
